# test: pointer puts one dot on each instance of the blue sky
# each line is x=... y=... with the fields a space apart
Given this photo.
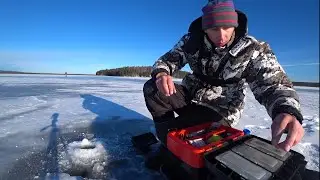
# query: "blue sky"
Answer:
x=83 y=36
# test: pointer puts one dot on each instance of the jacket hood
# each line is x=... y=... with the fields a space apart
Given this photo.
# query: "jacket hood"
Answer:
x=241 y=30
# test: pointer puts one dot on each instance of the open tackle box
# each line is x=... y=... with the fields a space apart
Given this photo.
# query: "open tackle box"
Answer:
x=229 y=153
x=190 y=144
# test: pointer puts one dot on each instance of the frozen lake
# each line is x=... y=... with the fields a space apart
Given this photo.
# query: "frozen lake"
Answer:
x=43 y=118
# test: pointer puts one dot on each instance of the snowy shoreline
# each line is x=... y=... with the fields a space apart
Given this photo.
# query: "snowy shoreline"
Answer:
x=123 y=77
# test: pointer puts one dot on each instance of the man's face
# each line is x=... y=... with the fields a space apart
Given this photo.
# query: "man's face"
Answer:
x=220 y=36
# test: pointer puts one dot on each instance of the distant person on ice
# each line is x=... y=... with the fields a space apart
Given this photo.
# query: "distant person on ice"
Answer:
x=222 y=57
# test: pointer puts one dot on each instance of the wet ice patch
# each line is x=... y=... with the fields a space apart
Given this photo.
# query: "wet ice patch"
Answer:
x=259 y=130
x=84 y=158
x=63 y=176
x=256 y=129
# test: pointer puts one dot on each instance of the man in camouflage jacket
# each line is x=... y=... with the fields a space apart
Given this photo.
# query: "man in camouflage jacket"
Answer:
x=223 y=57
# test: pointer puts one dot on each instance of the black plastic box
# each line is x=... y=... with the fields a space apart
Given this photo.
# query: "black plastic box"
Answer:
x=228 y=162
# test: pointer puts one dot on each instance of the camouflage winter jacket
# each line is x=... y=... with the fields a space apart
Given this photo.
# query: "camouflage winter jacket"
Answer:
x=249 y=60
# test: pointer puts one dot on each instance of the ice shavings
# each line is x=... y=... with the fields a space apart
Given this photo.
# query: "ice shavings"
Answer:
x=85 y=158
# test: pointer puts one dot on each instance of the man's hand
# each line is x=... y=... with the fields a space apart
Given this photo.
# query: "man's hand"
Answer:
x=288 y=122
x=165 y=84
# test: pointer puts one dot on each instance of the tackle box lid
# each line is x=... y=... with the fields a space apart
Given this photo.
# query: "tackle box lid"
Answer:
x=241 y=159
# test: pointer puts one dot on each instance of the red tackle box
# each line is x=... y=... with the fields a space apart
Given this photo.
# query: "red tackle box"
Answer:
x=178 y=141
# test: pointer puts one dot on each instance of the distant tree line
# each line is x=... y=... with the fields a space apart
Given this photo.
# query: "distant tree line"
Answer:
x=308 y=84
x=135 y=71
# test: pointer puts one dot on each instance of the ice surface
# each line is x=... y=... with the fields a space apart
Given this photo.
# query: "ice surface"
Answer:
x=49 y=122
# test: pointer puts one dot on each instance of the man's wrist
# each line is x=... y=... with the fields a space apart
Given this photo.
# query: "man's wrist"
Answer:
x=287 y=110
x=161 y=74
x=155 y=73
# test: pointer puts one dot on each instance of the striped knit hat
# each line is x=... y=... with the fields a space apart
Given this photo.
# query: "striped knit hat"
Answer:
x=219 y=13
